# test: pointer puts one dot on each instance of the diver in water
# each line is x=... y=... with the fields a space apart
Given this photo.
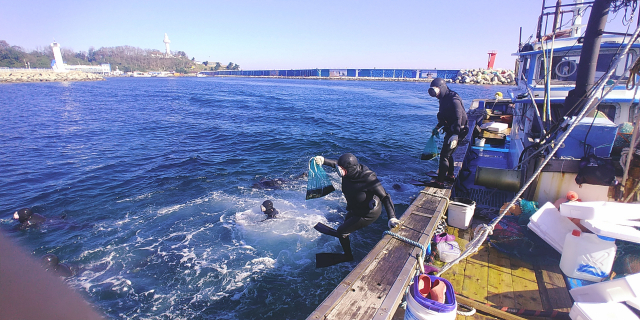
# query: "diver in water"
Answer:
x=51 y=263
x=453 y=120
x=27 y=218
x=365 y=196
x=268 y=209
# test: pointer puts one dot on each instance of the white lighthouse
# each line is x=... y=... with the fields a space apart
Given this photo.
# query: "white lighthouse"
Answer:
x=57 y=64
x=166 y=45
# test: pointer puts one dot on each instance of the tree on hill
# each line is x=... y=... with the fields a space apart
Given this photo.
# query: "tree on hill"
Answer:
x=16 y=57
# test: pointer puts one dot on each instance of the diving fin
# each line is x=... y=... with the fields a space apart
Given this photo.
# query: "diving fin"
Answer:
x=323 y=228
x=324 y=260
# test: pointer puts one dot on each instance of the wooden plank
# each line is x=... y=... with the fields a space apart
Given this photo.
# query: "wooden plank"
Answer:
x=525 y=286
x=455 y=274
x=500 y=286
x=553 y=288
x=488 y=309
x=476 y=275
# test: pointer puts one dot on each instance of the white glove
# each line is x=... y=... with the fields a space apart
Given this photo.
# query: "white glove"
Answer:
x=453 y=141
x=393 y=222
x=319 y=160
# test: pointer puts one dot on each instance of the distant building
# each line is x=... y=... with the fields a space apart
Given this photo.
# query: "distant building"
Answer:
x=103 y=69
x=118 y=72
x=58 y=64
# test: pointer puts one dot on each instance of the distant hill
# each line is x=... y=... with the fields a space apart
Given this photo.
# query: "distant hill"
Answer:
x=125 y=58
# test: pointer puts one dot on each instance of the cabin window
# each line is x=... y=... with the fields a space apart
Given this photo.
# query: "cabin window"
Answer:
x=632 y=113
x=564 y=67
x=524 y=65
x=609 y=110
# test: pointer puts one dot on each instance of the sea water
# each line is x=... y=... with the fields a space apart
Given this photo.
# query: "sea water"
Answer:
x=152 y=187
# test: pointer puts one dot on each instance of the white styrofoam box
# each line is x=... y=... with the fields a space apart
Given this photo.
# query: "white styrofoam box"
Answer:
x=497 y=127
x=613 y=230
x=551 y=226
x=617 y=290
x=550 y=240
x=601 y=311
x=600 y=210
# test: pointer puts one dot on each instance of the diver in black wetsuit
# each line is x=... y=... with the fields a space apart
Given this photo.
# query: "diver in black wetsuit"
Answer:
x=27 y=218
x=268 y=209
x=453 y=120
x=51 y=263
x=365 y=197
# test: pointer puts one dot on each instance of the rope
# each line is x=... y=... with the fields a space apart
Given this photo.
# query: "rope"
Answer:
x=633 y=73
x=469 y=313
x=424 y=250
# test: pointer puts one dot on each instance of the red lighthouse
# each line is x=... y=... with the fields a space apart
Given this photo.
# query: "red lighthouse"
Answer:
x=492 y=59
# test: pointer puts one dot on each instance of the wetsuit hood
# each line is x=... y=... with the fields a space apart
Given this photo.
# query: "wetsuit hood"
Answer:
x=23 y=214
x=350 y=164
x=438 y=88
x=266 y=206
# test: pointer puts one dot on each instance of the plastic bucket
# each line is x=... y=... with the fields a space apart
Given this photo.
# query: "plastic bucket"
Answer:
x=460 y=212
x=421 y=308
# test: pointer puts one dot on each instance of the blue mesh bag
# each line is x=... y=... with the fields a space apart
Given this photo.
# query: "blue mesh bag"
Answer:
x=430 y=150
x=319 y=184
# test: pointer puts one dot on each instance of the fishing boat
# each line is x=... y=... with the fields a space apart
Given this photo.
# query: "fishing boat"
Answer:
x=141 y=74
x=568 y=126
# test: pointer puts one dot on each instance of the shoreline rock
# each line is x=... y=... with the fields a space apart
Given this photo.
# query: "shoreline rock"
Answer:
x=46 y=76
x=484 y=76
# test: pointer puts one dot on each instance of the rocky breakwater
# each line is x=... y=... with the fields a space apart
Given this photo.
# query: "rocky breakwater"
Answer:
x=47 y=76
x=484 y=76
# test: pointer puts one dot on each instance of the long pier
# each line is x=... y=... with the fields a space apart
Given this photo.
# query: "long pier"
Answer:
x=368 y=74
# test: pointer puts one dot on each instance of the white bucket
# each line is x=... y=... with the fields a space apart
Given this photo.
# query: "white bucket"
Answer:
x=460 y=212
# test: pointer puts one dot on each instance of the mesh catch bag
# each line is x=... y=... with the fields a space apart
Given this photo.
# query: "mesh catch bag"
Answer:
x=319 y=184
x=430 y=150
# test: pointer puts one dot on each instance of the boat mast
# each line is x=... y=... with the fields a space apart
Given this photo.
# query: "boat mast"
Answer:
x=585 y=77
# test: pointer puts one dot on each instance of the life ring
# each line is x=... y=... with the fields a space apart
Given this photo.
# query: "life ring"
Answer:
x=569 y=67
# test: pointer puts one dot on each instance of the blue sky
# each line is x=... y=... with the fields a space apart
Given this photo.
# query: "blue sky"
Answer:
x=282 y=34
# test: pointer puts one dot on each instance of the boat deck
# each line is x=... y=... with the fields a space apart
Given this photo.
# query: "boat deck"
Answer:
x=491 y=277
